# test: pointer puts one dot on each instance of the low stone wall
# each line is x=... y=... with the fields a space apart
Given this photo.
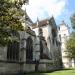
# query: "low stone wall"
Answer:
x=48 y=65
x=9 y=68
x=25 y=68
x=42 y=67
x=28 y=67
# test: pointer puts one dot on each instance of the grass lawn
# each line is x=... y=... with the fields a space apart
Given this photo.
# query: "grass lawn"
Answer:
x=63 y=72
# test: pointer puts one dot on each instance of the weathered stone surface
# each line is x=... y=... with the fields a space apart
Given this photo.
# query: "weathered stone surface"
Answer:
x=50 y=51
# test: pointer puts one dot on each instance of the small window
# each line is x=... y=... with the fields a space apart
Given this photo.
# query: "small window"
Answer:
x=53 y=40
x=41 y=50
x=56 y=42
x=59 y=37
x=59 y=28
x=49 y=39
x=64 y=34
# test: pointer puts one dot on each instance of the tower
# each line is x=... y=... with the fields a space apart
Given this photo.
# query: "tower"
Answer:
x=63 y=35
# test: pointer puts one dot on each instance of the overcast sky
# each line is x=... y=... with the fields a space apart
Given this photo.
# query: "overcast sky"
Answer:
x=60 y=9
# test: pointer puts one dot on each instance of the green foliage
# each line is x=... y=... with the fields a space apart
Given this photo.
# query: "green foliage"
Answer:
x=70 y=45
x=73 y=20
x=10 y=15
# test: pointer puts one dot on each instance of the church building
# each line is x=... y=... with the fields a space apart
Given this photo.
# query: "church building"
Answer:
x=37 y=48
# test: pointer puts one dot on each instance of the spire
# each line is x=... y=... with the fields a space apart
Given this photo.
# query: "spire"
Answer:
x=52 y=16
x=25 y=13
x=25 y=26
x=37 y=21
x=63 y=22
x=26 y=1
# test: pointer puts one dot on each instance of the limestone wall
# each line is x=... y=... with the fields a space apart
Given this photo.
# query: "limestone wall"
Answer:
x=28 y=67
x=3 y=53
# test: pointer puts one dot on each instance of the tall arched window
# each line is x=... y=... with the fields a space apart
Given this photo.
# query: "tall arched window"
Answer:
x=29 y=49
x=41 y=50
x=13 y=51
x=13 y=47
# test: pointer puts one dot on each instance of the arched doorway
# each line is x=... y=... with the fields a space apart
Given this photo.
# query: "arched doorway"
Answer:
x=41 y=50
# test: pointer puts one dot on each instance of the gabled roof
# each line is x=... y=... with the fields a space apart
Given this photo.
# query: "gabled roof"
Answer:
x=40 y=23
x=45 y=22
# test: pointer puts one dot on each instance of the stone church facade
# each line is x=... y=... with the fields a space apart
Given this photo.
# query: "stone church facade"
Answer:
x=36 y=49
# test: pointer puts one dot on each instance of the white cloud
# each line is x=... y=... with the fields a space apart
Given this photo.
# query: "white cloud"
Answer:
x=43 y=8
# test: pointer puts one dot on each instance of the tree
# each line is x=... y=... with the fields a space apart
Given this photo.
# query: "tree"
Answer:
x=10 y=18
x=70 y=45
x=73 y=20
